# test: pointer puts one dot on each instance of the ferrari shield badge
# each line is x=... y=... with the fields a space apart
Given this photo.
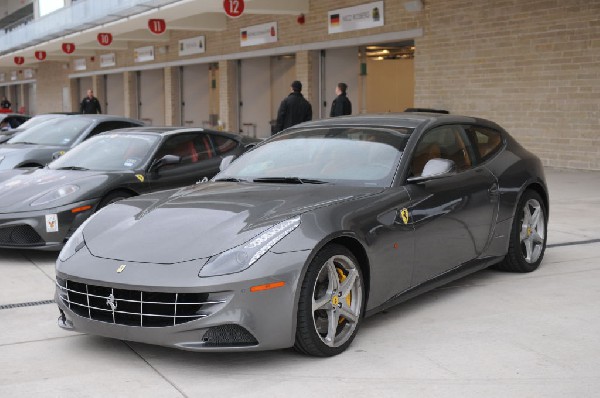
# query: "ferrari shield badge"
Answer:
x=404 y=215
x=121 y=268
x=140 y=177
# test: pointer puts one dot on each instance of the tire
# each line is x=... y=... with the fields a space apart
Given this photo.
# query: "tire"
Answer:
x=112 y=198
x=528 y=235
x=330 y=310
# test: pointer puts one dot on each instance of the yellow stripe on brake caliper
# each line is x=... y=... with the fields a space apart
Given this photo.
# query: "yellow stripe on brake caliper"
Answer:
x=348 y=297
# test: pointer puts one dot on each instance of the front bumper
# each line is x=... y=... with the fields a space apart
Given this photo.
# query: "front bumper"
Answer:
x=31 y=229
x=241 y=321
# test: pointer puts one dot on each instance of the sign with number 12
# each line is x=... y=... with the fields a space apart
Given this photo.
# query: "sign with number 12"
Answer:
x=233 y=8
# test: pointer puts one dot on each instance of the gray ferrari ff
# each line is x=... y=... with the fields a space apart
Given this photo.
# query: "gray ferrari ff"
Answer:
x=39 y=145
x=299 y=239
x=40 y=208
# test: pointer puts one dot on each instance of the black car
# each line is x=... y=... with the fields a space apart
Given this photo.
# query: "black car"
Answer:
x=40 y=208
x=10 y=121
x=40 y=144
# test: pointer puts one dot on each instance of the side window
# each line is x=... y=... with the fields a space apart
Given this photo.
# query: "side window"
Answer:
x=445 y=142
x=223 y=144
x=191 y=148
x=108 y=126
x=488 y=141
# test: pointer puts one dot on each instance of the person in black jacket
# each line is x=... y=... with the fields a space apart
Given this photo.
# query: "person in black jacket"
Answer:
x=5 y=104
x=341 y=105
x=294 y=109
x=90 y=104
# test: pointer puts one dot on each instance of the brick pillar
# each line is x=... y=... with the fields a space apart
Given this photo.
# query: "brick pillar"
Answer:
x=228 y=95
x=303 y=73
x=172 y=96
x=99 y=90
x=130 y=94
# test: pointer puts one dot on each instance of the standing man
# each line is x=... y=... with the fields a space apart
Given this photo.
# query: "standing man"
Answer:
x=90 y=104
x=341 y=105
x=5 y=104
x=294 y=109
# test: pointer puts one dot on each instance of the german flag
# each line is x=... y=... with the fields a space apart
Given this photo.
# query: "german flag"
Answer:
x=334 y=19
x=244 y=35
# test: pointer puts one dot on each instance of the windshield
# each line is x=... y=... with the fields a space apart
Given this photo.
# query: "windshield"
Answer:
x=363 y=156
x=109 y=153
x=59 y=131
x=36 y=120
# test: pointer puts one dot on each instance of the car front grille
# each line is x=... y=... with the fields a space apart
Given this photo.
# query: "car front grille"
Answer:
x=137 y=307
x=19 y=235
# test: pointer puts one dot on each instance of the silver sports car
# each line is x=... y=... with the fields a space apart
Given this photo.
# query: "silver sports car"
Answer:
x=299 y=239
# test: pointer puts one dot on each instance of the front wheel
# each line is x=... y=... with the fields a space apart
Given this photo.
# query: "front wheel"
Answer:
x=331 y=303
x=528 y=235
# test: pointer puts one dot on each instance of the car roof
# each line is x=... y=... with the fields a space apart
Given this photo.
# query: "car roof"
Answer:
x=103 y=118
x=168 y=130
x=401 y=119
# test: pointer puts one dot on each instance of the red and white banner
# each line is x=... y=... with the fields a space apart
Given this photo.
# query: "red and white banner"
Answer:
x=157 y=26
x=68 y=48
x=105 y=39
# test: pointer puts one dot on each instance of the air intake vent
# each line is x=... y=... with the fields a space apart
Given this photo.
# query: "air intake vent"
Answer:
x=19 y=235
x=228 y=335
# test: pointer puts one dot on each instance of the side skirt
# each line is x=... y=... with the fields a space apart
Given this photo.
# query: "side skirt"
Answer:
x=440 y=280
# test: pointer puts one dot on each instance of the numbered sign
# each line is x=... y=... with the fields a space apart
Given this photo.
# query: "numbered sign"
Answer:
x=157 y=26
x=40 y=55
x=234 y=8
x=19 y=60
x=105 y=39
x=68 y=48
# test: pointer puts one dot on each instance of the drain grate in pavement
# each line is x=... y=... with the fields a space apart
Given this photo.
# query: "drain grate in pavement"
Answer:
x=579 y=242
x=30 y=304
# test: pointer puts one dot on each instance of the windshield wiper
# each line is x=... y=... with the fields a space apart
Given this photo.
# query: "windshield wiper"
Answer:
x=23 y=142
x=72 y=168
x=289 y=180
x=230 y=179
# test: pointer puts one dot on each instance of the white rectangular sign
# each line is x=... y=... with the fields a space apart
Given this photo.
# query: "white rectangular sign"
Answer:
x=193 y=45
x=51 y=223
x=28 y=73
x=13 y=75
x=363 y=16
x=2 y=77
x=143 y=54
x=107 y=60
x=79 y=64
x=258 y=34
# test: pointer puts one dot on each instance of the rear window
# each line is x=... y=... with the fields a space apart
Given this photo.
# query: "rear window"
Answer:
x=488 y=142
x=224 y=144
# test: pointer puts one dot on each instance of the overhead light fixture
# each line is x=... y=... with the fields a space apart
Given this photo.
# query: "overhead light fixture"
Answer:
x=413 y=5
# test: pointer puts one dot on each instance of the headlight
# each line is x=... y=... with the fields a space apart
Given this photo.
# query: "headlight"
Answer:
x=76 y=241
x=73 y=245
x=56 y=194
x=241 y=257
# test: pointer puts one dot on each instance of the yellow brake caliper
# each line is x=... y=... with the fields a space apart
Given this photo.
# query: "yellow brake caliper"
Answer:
x=349 y=296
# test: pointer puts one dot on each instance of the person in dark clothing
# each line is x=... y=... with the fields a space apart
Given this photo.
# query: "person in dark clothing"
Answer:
x=5 y=104
x=341 y=105
x=90 y=104
x=294 y=109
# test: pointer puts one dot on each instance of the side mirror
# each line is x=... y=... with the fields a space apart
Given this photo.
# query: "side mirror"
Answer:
x=164 y=161
x=250 y=146
x=435 y=168
x=58 y=154
x=226 y=162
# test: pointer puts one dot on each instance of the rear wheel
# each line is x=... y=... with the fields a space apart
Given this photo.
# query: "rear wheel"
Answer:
x=528 y=235
x=331 y=303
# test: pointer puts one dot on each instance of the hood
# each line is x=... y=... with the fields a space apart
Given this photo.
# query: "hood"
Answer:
x=15 y=154
x=202 y=221
x=20 y=187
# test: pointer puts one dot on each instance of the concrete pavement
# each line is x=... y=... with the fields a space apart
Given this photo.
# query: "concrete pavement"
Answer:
x=491 y=334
